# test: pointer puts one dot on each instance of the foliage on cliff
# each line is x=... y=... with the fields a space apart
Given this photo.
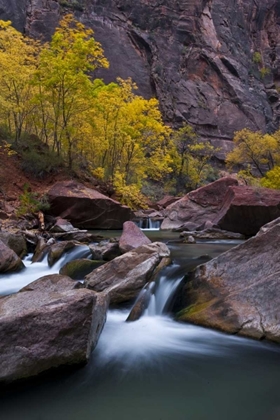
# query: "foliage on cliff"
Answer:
x=259 y=154
x=48 y=94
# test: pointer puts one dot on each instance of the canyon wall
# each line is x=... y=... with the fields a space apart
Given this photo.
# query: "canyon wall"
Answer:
x=212 y=63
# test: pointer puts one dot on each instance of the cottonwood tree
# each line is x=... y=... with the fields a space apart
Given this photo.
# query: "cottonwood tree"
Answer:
x=18 y=60
x=64 y=83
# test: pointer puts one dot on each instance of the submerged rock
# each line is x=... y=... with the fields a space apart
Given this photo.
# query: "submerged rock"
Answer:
x=124 y=277
x=239 y=291
x=45 y=327
x=212 y=233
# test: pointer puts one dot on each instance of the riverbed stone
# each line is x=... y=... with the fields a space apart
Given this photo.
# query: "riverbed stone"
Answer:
x=132 y=237
x=239 y=291
x=212 y=233
x=198 y=206
x=247 y=209
x=124 y=277
x=85 y=207
x=46 y=329
x=9 y=260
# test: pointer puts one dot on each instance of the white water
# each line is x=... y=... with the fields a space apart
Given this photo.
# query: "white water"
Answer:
x=155 y=369
x=148 y=224
x=13 y=282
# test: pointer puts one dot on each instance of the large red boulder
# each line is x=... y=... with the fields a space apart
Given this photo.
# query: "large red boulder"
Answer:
x=86 y=208
x=197 y=207
x=246 y=209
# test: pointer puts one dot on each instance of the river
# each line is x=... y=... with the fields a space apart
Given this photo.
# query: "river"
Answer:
x=155 y=368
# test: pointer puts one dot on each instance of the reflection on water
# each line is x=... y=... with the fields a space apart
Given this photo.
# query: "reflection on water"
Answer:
x=157 y=369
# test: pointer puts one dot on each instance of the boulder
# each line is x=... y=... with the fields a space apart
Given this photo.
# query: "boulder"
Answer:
x=78 y=269
x=52 y=283
x=42 y=329
x=246 y=209
x=86 y=208
x=239 y=291
x=132 y=237
x=124 y=277
x=198 y=206
x=105 y=251
x=9 y=260
x=14 y=241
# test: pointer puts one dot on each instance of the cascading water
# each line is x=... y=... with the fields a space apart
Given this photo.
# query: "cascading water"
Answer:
x=156 y=368
x=11 y=283
x=148 y=224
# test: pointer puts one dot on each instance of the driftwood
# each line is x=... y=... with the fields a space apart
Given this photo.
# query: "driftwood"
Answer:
x=41 y=219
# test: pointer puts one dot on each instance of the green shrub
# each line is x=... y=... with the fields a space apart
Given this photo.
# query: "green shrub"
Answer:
x=257 y=58
x=31 y=202
x=40 y=165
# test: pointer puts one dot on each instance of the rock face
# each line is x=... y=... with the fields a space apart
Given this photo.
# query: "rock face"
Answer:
x=124 y=277
x=132 y=237
x=86 y=208
x=239 y=291
x=45 y=328
x=246 y=209
x=198 y=57
x=9 y=261
x=197 y=207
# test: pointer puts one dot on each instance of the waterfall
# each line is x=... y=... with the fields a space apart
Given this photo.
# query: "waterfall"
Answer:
x=148 y=224
x=164 y=293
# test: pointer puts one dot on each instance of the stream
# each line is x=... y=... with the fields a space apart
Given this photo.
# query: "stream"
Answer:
x=155 y=368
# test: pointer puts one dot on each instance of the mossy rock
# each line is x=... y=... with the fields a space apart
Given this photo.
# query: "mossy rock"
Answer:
x=78 y=269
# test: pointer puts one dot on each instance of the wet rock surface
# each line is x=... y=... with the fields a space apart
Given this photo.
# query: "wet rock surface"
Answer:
x=9 y=260
x=44 y=328
x=239 y=291
x=124 y=277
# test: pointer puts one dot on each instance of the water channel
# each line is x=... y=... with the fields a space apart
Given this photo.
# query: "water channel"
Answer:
x=155 y=368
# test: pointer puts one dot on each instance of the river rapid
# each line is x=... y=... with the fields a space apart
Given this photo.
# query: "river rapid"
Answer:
x=155 y=368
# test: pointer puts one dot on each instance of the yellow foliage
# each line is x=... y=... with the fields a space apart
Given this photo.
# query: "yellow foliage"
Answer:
x=256 y=150
x=272 y=179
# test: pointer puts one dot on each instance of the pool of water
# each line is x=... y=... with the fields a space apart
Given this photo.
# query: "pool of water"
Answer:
x=158 y=369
